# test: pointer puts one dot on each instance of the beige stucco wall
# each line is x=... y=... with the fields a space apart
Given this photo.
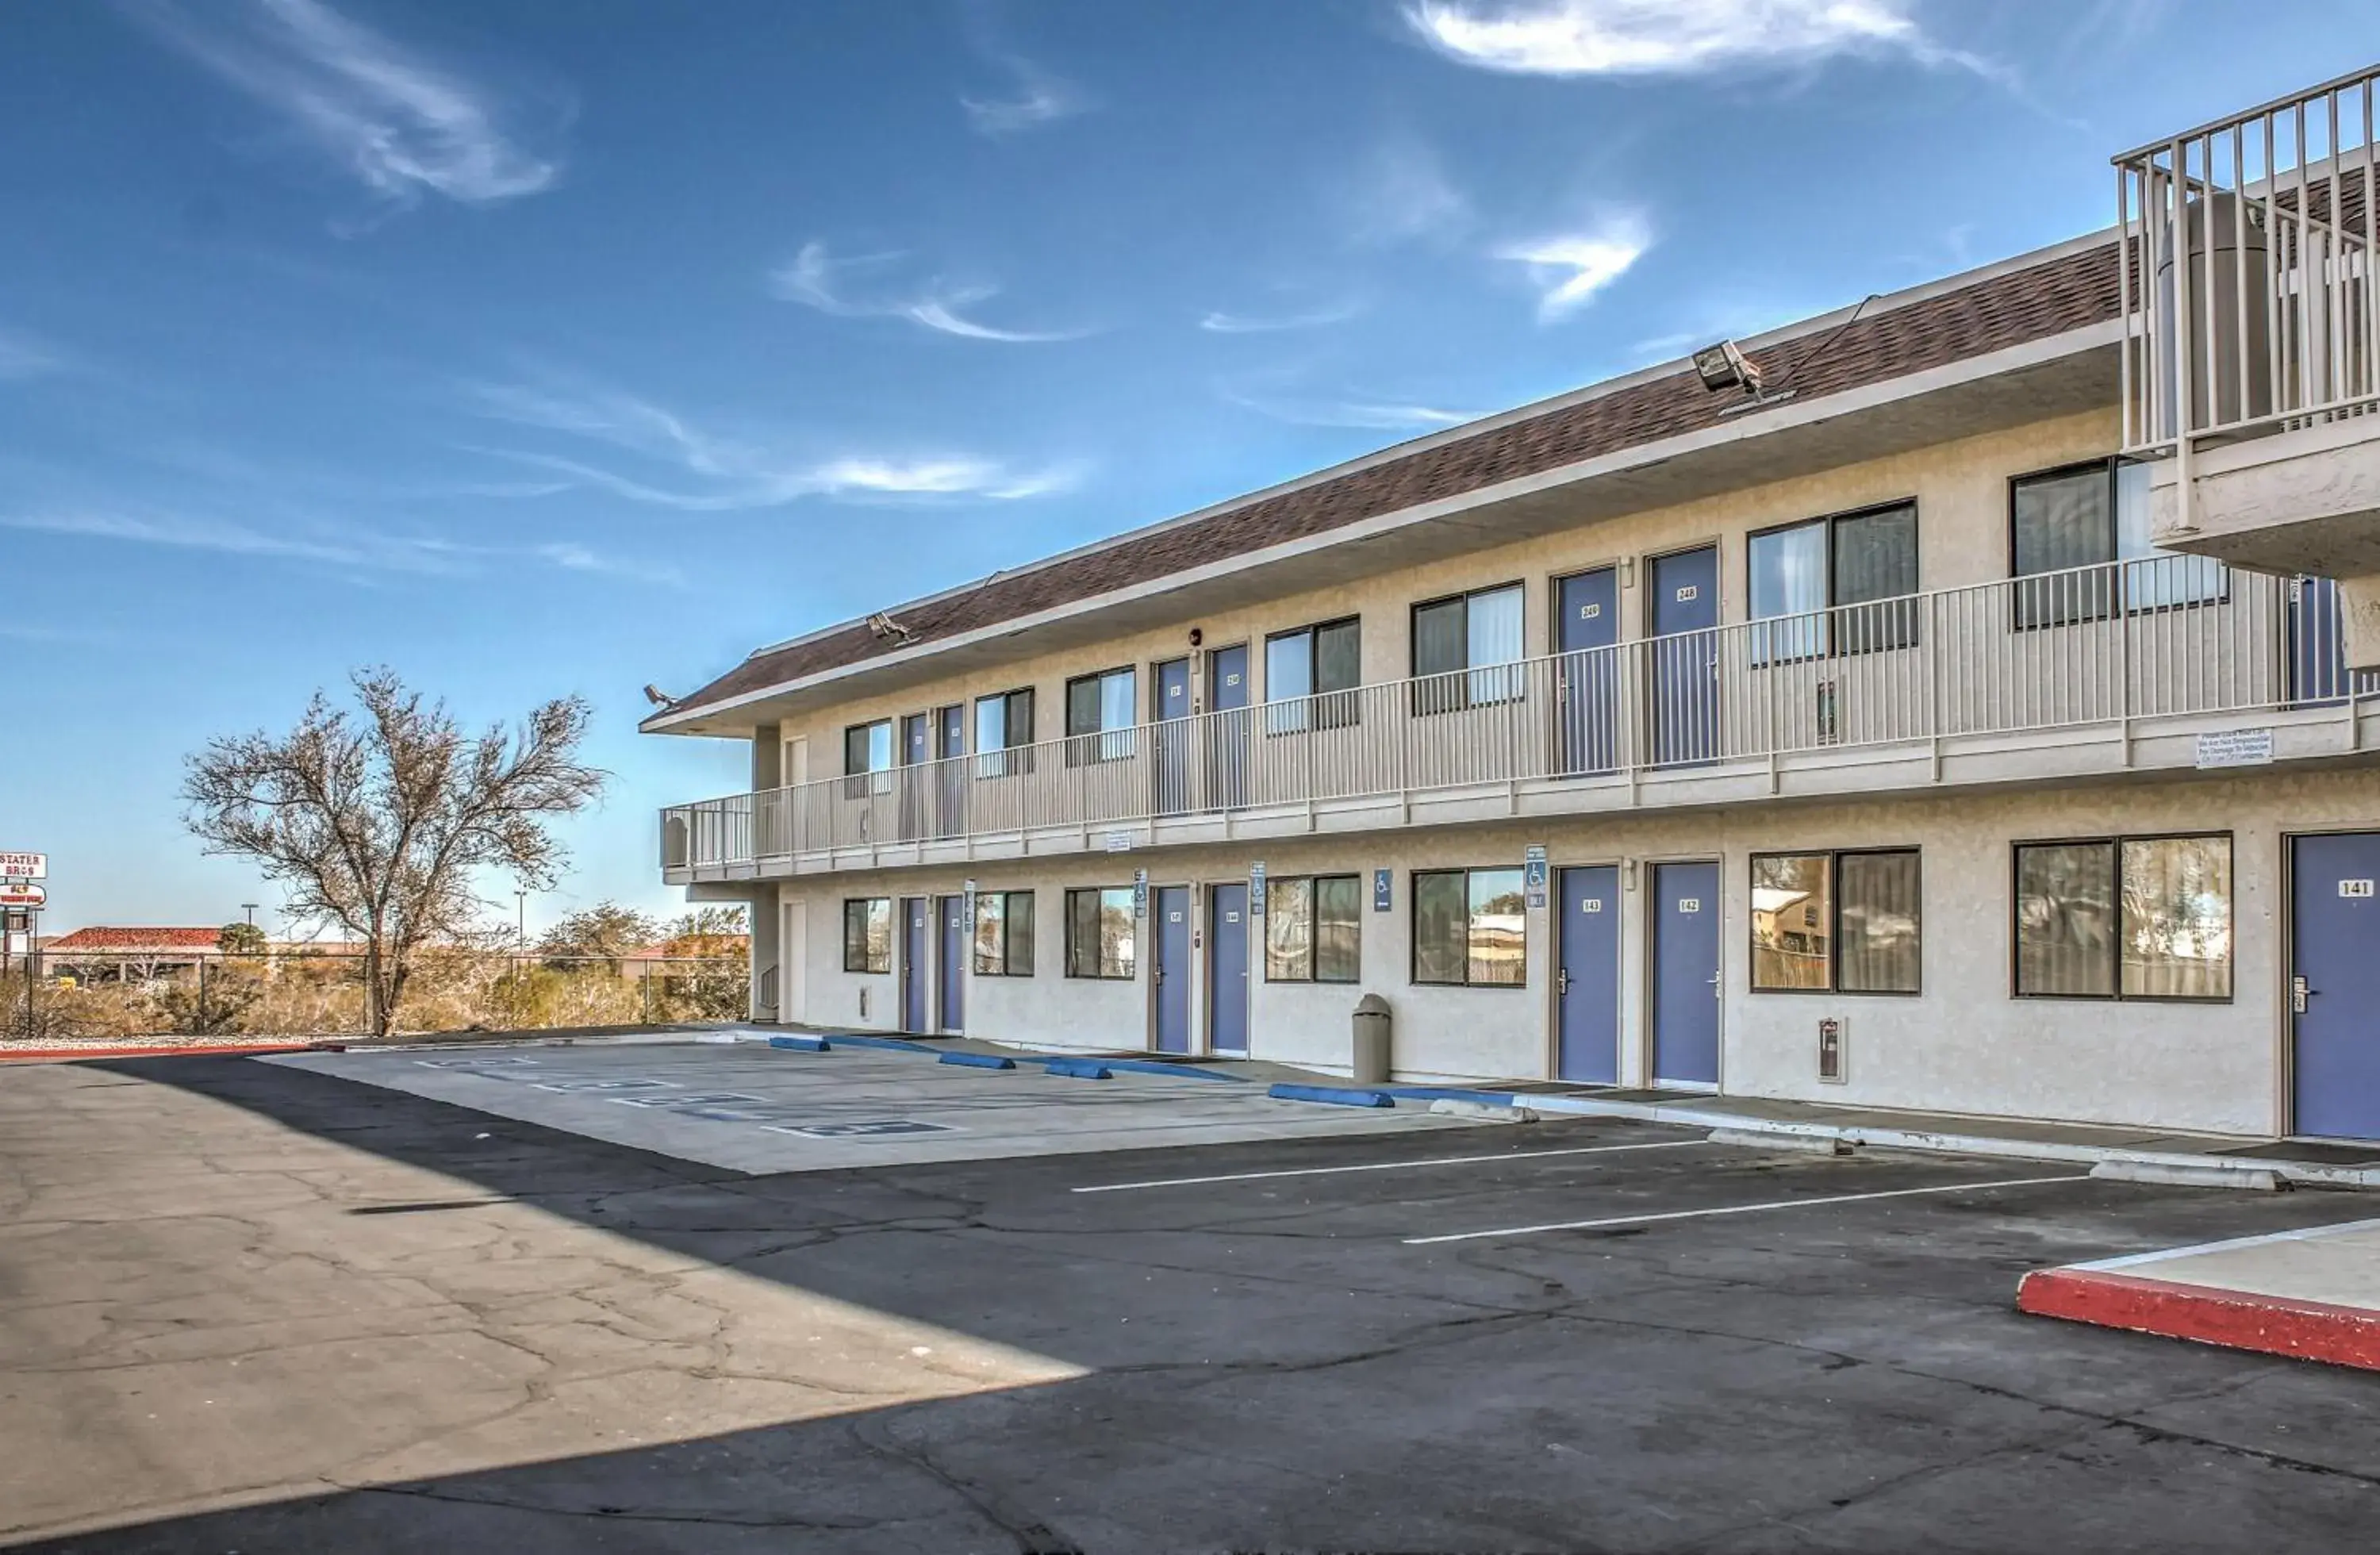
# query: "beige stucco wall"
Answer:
x=1961 y=494
x=1962 y=1045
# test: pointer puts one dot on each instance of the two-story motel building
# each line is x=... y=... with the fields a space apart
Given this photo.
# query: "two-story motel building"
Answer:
x=1630 y=737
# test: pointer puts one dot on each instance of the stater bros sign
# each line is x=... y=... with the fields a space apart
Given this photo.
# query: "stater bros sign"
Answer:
x=24 y=865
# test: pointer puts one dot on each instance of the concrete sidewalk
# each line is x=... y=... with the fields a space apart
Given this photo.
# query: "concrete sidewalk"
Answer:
x=2313 y=1293
x=2202 y=1160
x=2207 y=1159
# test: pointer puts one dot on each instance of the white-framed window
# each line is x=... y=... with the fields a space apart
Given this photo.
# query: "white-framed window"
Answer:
x=1466 y=649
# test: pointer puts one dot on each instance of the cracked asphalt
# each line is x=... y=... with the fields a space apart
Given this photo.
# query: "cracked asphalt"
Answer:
x=246 y=1306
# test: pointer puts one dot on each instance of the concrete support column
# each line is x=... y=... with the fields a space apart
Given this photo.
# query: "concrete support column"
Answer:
x=764 y=916
x=767 y=756
x=2359 y=616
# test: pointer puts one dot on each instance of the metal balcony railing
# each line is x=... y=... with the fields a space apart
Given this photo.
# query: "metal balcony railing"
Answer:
x=2248 y=285
x=2093 y=646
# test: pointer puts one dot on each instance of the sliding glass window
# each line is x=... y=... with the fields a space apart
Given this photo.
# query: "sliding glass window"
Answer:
x=1003 y=934
x=868 y=935
x=1839 y=585
x=1311 y=675
x=867 y=749
x=1099 y=933
x=1479 y=633
x=1470 y=928
x=2124 y=918
x=1003 y=723
x=1838 y=922
x=1100 y=710
x=2066 y=525
x=1314 y=929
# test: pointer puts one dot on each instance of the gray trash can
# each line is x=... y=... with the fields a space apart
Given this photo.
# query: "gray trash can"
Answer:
x=1371 y=1041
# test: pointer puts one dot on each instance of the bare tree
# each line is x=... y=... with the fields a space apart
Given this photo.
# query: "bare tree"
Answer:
x=377 y=824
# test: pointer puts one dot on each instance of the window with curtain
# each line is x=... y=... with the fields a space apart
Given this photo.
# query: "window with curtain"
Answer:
x=2124 y=918
x=1838 y=922
x=1100 y=941
x=1470 y=928
x=1101 y=712
x=1313 y=929
x=866 y=748
x=1003 y=723
x=1311 y=675
x=2087 y=517
x=868 y=935
x=1003 y=934
x=1839 y=585
x=1468 y=649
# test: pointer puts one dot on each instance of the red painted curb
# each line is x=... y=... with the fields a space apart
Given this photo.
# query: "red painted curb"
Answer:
x=2310 y=1330
x=70 y=1056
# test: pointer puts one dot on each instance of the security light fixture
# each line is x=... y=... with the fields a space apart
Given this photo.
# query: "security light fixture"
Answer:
x=660 y=698
x=885 y=626
x=1724 y=366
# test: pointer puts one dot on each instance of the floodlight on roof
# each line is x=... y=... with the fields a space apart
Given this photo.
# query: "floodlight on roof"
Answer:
x=1724 y=366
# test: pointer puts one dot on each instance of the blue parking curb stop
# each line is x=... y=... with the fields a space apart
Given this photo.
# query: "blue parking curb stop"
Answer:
x=801 y=1044
x=1175 y=1071
x=981 y=1060
x=1335 y=1096
x=1078 y=1069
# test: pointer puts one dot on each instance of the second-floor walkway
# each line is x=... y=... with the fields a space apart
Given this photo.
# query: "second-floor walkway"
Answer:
x=2165 y=662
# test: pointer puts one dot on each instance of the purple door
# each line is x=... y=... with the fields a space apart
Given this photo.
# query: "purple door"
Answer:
x=1227 y=969
x=917 y=734
x=1683 y=695
x=1685 y=974
x=1586 y=616
x=1227 y=731
x=2335 y=984
x=1172 y=736
x=1588 y=983
x=917 y=933
x=951 y=965
x=950 y=774
x=1169 y=905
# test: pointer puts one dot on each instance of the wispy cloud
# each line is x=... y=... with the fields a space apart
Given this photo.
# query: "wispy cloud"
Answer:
x=1379 y=415
x=21 y=631
x=346 y=549
x=183 y=533
x=1401 y=193
x=694 y=469
x=1571 y=268
x=884 y=286
x=401 y=124
x=1673 y=37
x=1335 y=312
x=1040 y=98
x=22 y=357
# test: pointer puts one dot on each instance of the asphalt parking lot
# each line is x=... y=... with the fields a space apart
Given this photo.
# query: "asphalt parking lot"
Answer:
x=756 y=1109
x=259 y=1307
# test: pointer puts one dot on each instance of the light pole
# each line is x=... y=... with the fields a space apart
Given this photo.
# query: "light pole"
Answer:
x=520 y=929
x=249 y=908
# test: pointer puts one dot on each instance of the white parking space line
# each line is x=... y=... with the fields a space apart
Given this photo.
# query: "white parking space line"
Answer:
x=1385 y=1166
x=1740 y=1210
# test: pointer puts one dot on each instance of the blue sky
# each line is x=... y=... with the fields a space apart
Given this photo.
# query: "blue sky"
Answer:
x=532 y=346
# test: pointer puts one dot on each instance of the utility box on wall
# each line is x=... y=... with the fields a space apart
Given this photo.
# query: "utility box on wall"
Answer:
x=1833 y=1062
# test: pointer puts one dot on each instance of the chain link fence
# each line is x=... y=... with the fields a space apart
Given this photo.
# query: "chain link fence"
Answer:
x=318 y=993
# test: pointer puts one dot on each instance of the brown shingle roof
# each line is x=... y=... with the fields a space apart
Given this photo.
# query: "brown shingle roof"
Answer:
x=2067 y=292
x=104 y=938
